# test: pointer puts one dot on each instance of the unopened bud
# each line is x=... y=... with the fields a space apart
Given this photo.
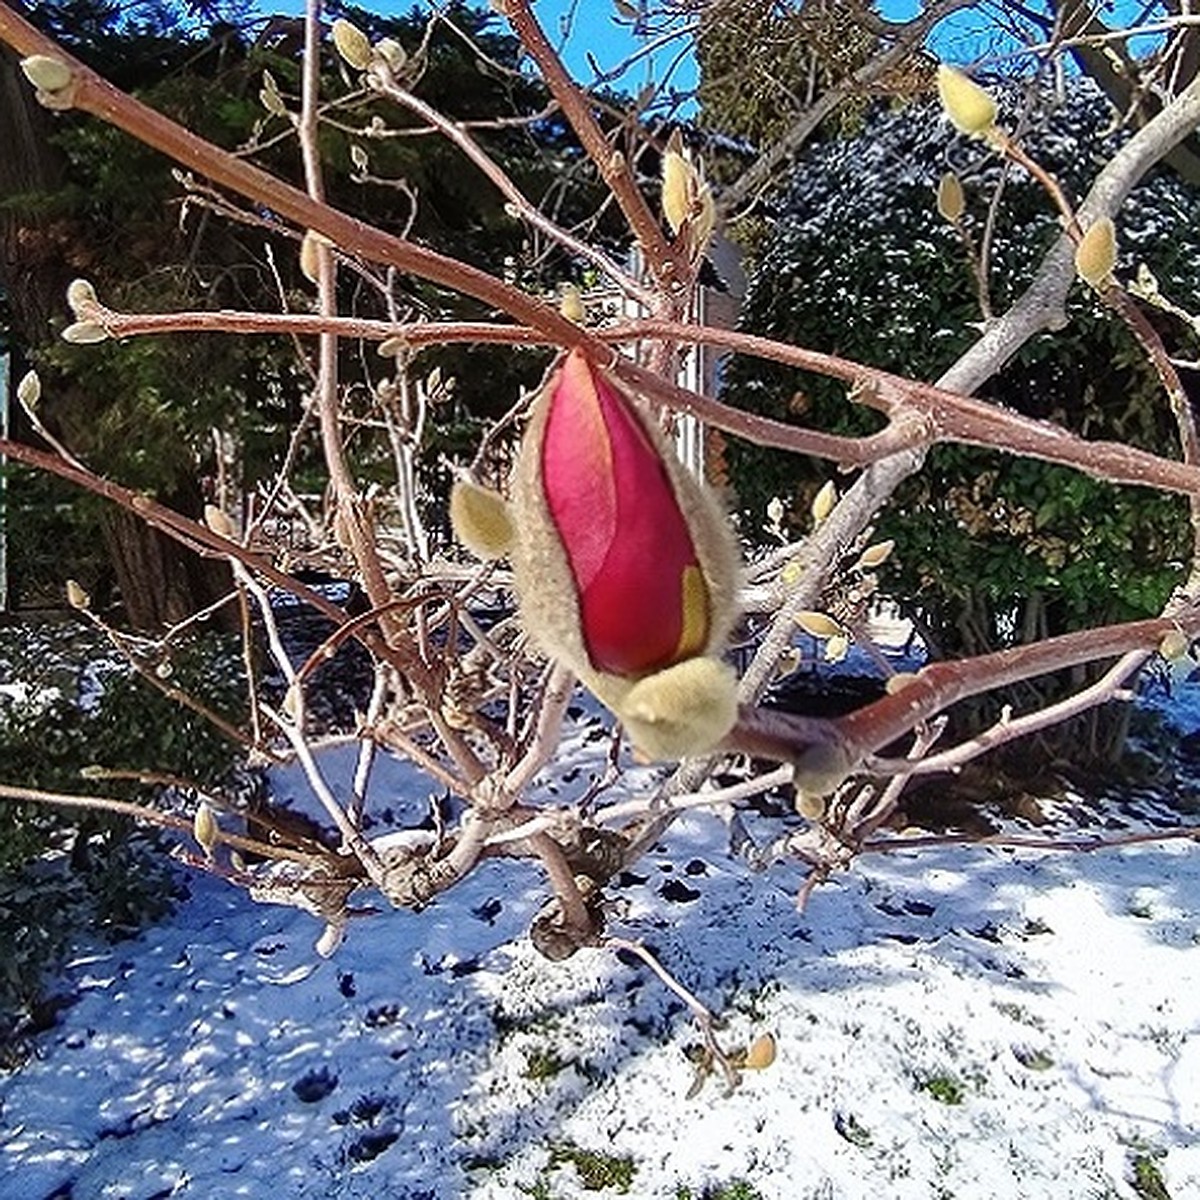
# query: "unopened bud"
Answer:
x=818 y=624
x=876 y=555
x=675 y=199
x=218 y=520
x=204 y=828
x=81 y=298
x=950 y=199
x=84 y=333
x=836 y=648
x=352 y=44
x=77 y=597
x=571 y=303
x=310 y=262
x=761 y=1053
x=971 y=109
x=45 y=73
x=1096 y=254
x=392 y=53
x=823 y=502
x=1174 y=645
x=29 y=390
x=810 y=806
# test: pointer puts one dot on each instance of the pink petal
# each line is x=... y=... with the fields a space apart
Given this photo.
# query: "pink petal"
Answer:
x=643 y=602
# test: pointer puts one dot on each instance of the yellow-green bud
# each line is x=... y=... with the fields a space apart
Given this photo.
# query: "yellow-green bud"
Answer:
x=84 y=333
x=1174 y=645
x=971 y=109
x=352 y=44
x=218 y=521
x=204 y=828
x=818 y=624
x=684 y=709
x=81 y=298
x=481 y=520
x=950 y=199
x=823 y=502
x=876 y=555
x=570 y=303
x=77 y=597
x=29 y=390
x=45 y=73
x=1096 y=254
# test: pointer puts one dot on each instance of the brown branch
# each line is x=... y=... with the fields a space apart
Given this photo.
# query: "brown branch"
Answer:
x=669 y=261
x=825 y=751
x=92 y=94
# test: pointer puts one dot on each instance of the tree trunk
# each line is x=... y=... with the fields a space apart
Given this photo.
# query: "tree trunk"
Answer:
x=159 y=580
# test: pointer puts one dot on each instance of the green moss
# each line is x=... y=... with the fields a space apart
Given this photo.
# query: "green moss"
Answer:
x=735 y=1189
x=596 y=1170
x=1147 y=1179
x=945 y=1089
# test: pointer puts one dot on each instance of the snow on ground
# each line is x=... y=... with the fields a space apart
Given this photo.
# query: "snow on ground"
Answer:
x=958 y=1022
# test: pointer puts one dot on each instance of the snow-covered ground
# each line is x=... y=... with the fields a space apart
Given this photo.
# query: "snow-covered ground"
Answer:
x=957 y=1022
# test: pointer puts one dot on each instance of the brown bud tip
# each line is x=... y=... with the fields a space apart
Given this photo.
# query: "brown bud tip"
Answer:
x=971 y=110
x=1096 y=254
x=761 y=1053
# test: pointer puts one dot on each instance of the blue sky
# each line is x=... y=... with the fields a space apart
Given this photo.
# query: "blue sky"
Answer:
x=593 y=30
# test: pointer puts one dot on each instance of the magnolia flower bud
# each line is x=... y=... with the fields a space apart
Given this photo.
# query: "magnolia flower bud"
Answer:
x=204 y=828
x=810 y=806
x=971 y=110
x=81 y=298
x=823 y=502
x=77 y=597
x=837 y=648
x=45 y=73
x=950 y=199
x=84 y=333
x=218 y=521
x=761 y=1053
x=685 y=709
x=1096 y=254
x=352 y=44
x=392 y=53
x=310 y=260
x=29 y=390
x=480 y=519
x=677 y=175
x=1174 y=645
x=818 y=624
x=571 y=303
x=876 y=555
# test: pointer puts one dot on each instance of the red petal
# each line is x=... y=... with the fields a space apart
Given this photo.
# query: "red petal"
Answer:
x=627 y=542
